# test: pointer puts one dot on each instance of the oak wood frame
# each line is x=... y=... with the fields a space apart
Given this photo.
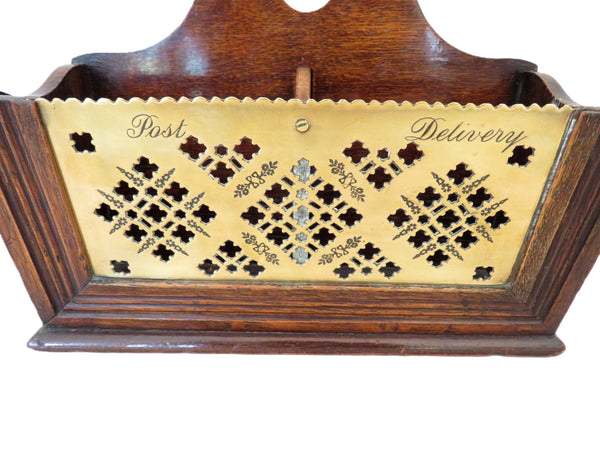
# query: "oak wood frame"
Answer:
x=86 y=313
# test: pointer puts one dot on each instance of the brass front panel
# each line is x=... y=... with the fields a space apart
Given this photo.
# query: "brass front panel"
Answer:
x=304 y=192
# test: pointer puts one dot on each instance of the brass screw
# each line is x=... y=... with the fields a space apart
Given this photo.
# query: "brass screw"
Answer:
x=302 y=125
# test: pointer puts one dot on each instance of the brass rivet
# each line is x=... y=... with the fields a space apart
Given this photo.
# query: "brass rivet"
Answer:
x=302 y=125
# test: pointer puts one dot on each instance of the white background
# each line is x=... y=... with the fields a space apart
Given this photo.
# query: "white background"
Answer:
x=98 y=401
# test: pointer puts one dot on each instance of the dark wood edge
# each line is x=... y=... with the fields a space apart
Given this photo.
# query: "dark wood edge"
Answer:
x=577 y=275
x=534 y=87
x=38 y=224
x=69 y=81
x=16 y=245
x=58 y=339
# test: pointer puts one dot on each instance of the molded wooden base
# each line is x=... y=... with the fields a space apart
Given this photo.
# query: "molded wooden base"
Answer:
x=60 y=339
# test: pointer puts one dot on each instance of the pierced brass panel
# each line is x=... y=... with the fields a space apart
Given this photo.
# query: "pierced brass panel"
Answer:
x=304 y=192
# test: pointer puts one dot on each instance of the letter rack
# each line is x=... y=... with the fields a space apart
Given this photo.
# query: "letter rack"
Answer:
x=270 y=181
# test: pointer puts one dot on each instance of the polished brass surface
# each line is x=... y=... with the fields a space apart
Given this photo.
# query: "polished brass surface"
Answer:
x=366 y=193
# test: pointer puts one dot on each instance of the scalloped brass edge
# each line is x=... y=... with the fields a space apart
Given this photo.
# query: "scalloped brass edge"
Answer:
x=264 y=100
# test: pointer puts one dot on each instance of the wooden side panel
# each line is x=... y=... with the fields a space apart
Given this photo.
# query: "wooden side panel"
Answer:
x=15 y=242
x=38 y=224
x=580 y=139
x=534 y=87
x=576 y=244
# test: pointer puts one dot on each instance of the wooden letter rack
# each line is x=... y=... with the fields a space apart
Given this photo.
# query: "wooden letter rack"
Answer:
x=341 y=181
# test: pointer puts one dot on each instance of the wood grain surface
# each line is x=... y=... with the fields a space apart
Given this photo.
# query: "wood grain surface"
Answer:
x=368 y=50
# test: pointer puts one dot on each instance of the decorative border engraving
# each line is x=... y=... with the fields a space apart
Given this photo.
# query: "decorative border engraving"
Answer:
x=340 y=251
x=255 y=179
x=347 y=180
x=261 y=248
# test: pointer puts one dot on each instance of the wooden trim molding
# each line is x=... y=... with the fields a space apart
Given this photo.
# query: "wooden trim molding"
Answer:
x=60 y=339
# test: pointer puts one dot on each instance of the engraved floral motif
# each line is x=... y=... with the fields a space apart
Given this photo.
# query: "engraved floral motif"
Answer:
x=162 y=181
x=347 y=179
x=340 y=251
x=192 y=203
x=260 y=248
x=110 y=198
x=138 y=182
x=172 y=244
x=198 y=228
x=255 y=179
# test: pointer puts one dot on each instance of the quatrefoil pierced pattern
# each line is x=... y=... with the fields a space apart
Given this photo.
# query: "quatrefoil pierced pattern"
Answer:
x=149 y=209
x=450 y=216
x=223 y=164
x=367 y=260
x=231 y=259
x=301 y=214
x=381 y=167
